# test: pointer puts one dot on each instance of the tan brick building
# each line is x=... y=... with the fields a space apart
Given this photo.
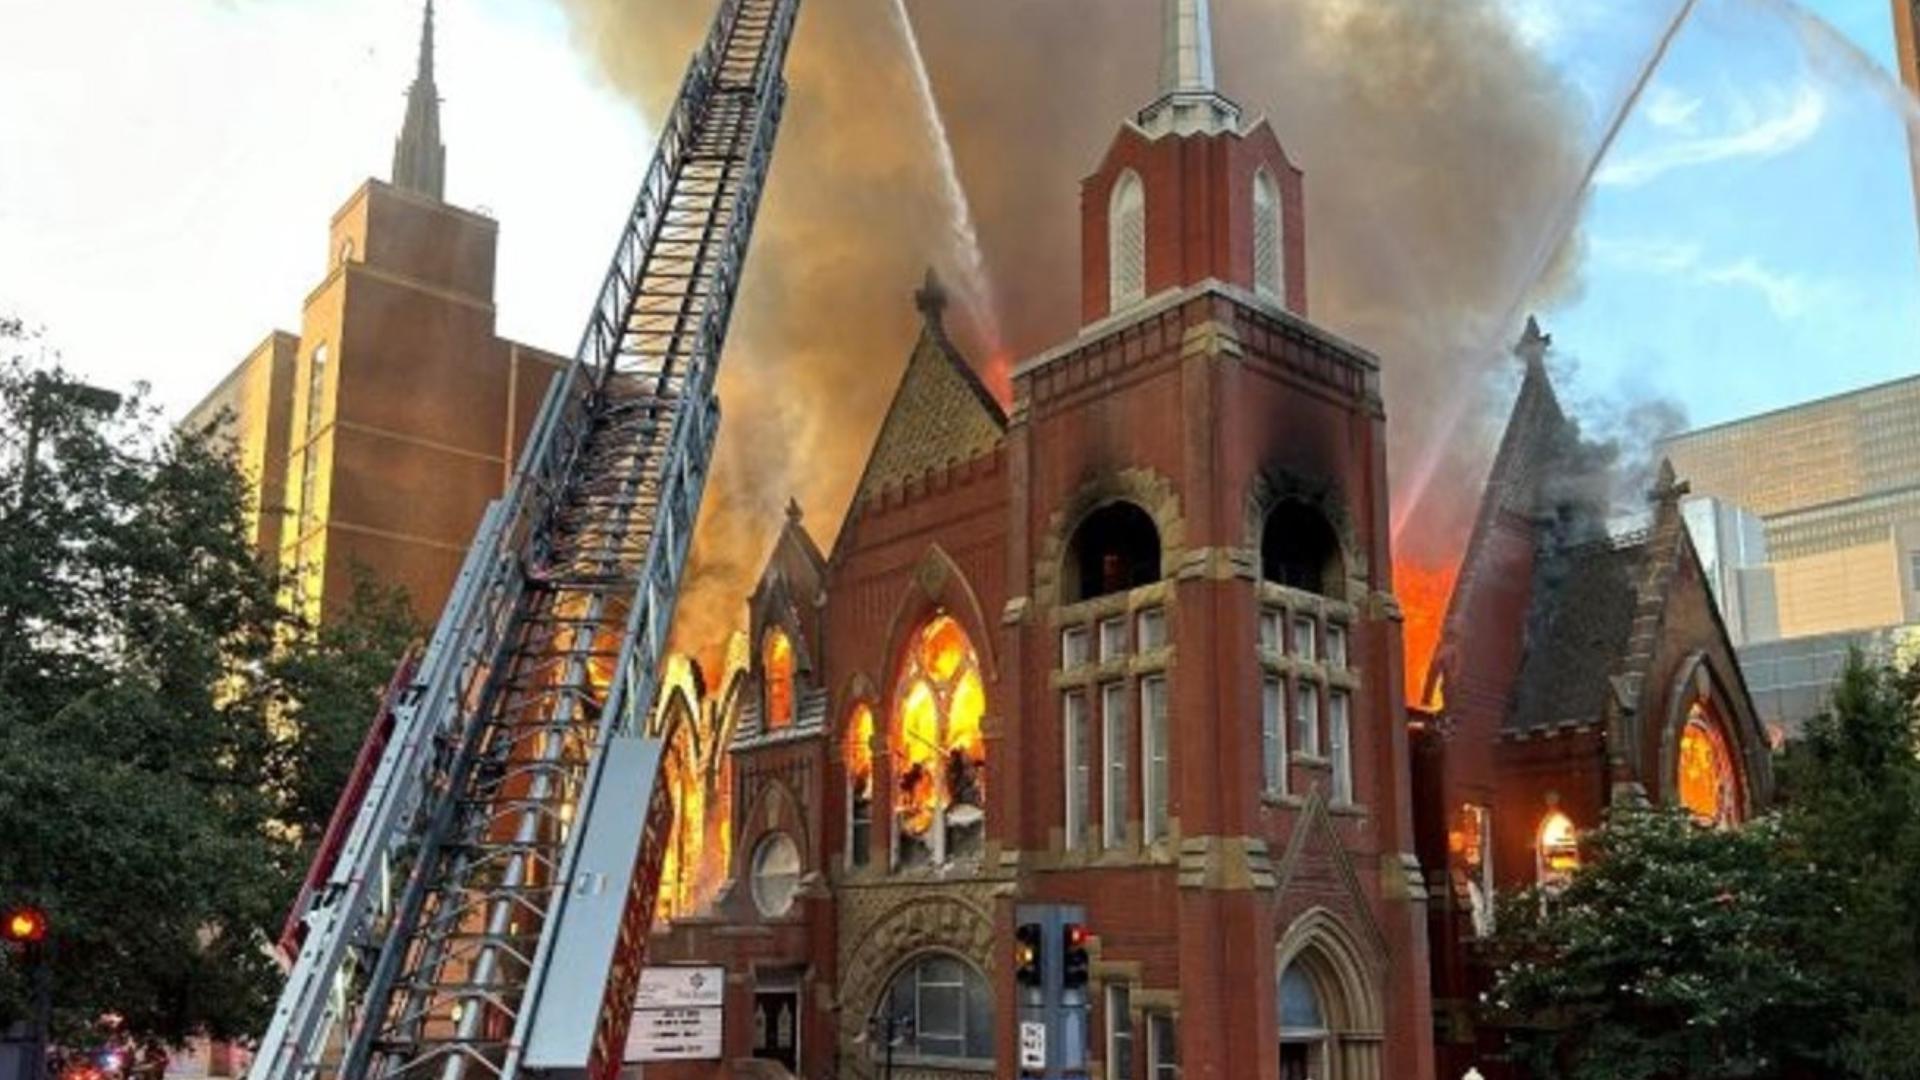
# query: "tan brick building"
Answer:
x=378 y=434
x=1836 y=483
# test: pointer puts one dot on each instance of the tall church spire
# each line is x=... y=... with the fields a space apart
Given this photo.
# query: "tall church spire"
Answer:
x=419 y=160
x=1189 y=102
x=1186 y=60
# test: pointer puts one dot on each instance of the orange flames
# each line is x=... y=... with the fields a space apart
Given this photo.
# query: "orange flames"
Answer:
x=1424 y=590
x=699 y=772
x=938 y=747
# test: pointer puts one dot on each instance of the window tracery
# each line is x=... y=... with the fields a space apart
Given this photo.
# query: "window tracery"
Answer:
x=937 y=748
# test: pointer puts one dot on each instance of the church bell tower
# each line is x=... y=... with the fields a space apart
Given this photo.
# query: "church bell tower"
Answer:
x=1189 y=192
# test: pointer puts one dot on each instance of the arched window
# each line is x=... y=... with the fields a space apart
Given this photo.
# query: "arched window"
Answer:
x=1303 y=1027
x=858 y=755
x=939 y=1011
x=1558 y=847
x=1708 y=785
x=680 y=868
x=777 y=665
x=939 y=755
x=1116 y=548
x=1299 y=549
x=1269 y=238
x=1127 y=242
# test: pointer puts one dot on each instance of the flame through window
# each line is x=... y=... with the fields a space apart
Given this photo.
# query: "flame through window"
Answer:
x=937 y=749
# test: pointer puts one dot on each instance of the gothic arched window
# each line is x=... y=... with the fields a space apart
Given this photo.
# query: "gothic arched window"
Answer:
x=1708 y=784
x=1269 y=239
x=1558 y=847
x=777 y=664
x=938 y=752
x=939 y=1010
x=1127 y=242
x=858 y=754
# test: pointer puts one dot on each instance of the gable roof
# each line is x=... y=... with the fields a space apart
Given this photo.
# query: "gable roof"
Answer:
x=941 y=413
x=1536 y=437
x=1580 y=632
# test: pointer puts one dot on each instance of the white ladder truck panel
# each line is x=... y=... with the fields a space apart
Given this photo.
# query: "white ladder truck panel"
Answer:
x=488 y=911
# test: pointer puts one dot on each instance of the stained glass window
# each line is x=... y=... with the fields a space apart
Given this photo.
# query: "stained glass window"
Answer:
x=1708 y=783
x=858 y=754
x=938 y=749
x=778 y=664
x=1559 y=849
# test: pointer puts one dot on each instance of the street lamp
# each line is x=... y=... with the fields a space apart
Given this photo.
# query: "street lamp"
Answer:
x=890 y=1029
x=46 y=390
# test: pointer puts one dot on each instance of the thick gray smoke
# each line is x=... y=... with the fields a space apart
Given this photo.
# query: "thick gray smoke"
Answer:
x=1437 y=149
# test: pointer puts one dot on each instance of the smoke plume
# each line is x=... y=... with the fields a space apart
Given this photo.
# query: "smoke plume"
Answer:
x=1437 y=148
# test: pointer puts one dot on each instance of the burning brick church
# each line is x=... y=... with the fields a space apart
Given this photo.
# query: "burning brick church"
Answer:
x=1134 y=646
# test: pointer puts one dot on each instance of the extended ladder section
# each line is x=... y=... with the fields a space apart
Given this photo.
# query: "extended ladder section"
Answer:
x=514 y=824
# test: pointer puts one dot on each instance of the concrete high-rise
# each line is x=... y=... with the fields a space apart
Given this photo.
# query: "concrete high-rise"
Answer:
x=1837 y=484
x=379 y=433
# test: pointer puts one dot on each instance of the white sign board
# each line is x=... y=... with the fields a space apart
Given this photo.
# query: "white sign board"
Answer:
x=674 y=1035
x=681 y=988
x=677 y=1015
x=1033 y=1044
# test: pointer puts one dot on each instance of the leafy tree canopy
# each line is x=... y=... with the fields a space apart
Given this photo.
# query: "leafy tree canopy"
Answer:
x=1789 y=947
x=170 y=737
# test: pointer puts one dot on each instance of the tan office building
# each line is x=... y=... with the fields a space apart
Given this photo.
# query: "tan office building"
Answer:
x=379 y=433
x=1837 y=484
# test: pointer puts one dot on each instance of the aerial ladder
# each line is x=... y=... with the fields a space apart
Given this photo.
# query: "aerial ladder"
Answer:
x=486 y=914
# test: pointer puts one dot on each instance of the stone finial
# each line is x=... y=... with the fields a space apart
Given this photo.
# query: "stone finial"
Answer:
x=1668 y=488
x=794 y=513
x=931 y=299
x=1533 y=344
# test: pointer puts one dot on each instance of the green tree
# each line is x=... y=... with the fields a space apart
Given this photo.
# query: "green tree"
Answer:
x=1851 y=787
x=1677 y=951
x=167 y=732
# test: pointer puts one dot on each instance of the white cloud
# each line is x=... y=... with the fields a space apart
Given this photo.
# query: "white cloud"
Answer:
x=1758 y=130
x=1787 y=295
x=1670 y=110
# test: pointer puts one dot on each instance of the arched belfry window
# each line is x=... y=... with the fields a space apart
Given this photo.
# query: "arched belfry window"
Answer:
x=1299 y=549
x=938 y=749
x=1127 y=242
x=1269 y=239
x=1116 y=548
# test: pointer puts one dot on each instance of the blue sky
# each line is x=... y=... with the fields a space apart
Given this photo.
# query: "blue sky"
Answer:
x=170 y=167
x=1751 y=241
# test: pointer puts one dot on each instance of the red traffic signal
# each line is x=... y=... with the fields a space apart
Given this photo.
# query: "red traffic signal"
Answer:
x=24 y=926
x=1075 y=937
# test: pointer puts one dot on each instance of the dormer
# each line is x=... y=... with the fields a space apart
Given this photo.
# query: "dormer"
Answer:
x=1187 y=194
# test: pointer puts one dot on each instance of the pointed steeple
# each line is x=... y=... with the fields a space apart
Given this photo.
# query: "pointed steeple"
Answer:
x=419 y=160
x=1190 y=103
x=1186 y=58
x=1533 y=345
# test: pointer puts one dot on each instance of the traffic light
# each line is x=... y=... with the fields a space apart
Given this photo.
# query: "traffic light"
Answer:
x=1074 y=942
x=1026 y=954
x=24 y=925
